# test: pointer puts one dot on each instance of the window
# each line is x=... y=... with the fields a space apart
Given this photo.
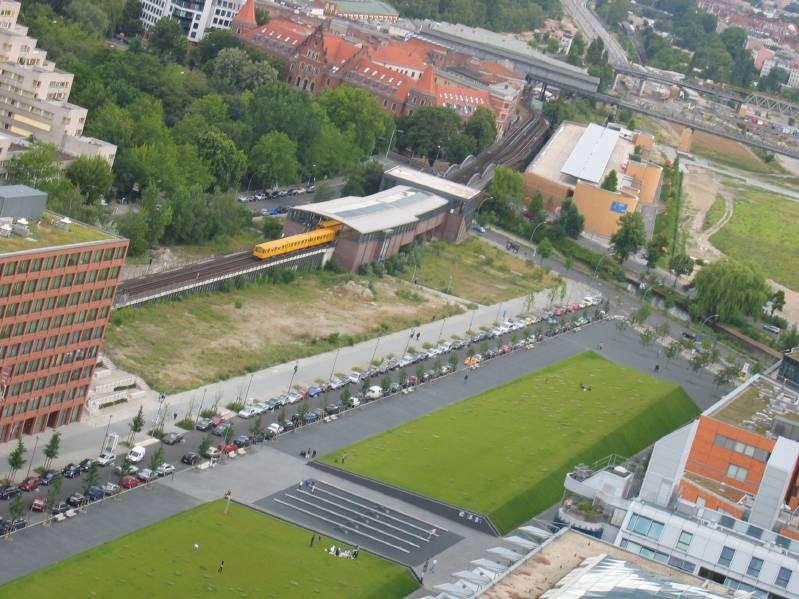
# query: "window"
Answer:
x=742 y=448
x=645 y=526
x=725 y=559
x=754 y=567
x=684 y=541
x=783 y=577
x=737 y=473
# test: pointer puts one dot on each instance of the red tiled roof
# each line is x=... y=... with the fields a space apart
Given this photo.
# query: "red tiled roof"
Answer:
x=246 y=14
x=427 y=82
x=399 y=54
x=380 y=79
x=287 y=32
x=458 y=95
x=338 y=50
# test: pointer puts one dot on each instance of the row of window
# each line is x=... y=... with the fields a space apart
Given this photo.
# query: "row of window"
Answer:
x=61 y=260
x=45 y=304
x=758 y=454
x=45 y=401
x=755 y=565
x=36 y=364
x=42 y=284
x=31 y=326
x=36 y=345
x=42 y=382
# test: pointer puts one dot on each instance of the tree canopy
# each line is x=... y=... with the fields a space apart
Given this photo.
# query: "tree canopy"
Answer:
x=629 y=237
x=733 y=290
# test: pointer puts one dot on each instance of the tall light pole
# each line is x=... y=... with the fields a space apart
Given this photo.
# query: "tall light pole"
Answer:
x=105 y=437
x=535 y=248
x=247 y=392
x=391 y=139
x=436 y=158
x=374 y=353
x=599 y=263
x=335 y=359
x=293 y=374
x=33 y=455
x=441 y=332
x=199 y=411
x=471 y=320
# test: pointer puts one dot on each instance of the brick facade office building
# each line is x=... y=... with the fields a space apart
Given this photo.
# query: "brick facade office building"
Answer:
x=58 y=279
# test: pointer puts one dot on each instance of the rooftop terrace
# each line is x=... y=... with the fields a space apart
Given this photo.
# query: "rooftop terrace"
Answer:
x=47 y=233
x=755 y=405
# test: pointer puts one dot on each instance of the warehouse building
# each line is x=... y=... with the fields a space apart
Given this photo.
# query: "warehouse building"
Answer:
x=575 y=162
x=376 y=227
x=58 y=279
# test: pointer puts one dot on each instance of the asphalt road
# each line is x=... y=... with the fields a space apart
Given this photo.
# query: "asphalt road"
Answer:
x=592 y=27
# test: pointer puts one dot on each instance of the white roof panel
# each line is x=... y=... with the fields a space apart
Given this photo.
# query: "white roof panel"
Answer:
x=590 y=156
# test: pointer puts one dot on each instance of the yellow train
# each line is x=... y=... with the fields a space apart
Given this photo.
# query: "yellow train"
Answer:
x=325 y=234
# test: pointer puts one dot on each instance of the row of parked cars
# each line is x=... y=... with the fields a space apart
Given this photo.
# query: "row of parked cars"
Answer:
x=273 y=194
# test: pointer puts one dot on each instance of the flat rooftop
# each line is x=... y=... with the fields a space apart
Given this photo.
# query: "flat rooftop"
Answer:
x=394 y=207
x=564 y=156
x=573 y=566
x=755 y=404
x=413 y=177
x=45 y=233
x=366 y=7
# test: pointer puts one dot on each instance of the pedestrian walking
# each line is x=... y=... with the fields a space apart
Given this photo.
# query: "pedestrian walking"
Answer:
x=196 y=548
x=313 y=455
x=424 y=568
x=313 y=538
x=175 y=416
x=657 y=367
x=418 y=334
x=432 y=566
x=221 y=567
x=466 y=377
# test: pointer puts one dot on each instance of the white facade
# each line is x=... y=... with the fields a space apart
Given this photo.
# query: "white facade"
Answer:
x=715 y=546
x=34 y=94
x=197 y=17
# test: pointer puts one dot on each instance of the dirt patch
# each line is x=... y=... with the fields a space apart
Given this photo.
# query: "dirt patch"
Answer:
x=700 y=189
x=791 y=310
x=733 y=149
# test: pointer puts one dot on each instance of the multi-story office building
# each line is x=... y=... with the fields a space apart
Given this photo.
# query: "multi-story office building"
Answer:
x=720 y=498
x=197 y=17
x=57 y=284
x=34 y=94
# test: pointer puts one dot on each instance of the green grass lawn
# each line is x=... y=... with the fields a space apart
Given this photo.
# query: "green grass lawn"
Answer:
x=477 y=271
x=764 y=229
x=264 y=557
x=715 y=213
x=504 y=453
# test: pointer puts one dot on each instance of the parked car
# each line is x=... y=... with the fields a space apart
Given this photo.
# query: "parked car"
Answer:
x=308 y=418
x=77 y=499
x=39 y=503
x=49 y=476
x=106 y=458
x=7 y=526
x=110 y=488
x=275 y=428
x=86 y=463
x=772 y=329
x=227 y=448
x=8 y=491
x=242 y=441
x=128 y=482
x=293 y=397
x=172 y=438
x=136 y=454
x=220 y=430
x=30 y=484
x=314 y=391
x=203 y=424
x=247 y=412
x=355 y=401
x=331 y=409
x=165 y=469
x=95 y=493
x=374 y=392
x=146 y=475
x=59 y=508
x=213 y=453
x=191 y=458
x=336 y=383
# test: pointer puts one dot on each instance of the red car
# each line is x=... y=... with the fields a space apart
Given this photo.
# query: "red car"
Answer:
x=505 y=349
x=39 y=503
x=227 y=448
x=558 y=312
x=30 y=484
x=128 y=482
x=217 y=421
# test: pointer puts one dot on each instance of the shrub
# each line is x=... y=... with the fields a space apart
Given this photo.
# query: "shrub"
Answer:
x=208 y=413
x=235 y=406
x=185 y=424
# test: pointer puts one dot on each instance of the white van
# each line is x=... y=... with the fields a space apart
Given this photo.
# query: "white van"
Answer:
x=136 y=455
x=374 y=392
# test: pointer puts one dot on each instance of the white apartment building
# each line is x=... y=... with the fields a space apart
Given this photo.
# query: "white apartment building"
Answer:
x=787 y=62
x=195 y=16
x=34 y=94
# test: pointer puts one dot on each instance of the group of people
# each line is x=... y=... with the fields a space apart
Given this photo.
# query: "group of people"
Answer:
x=339 y=552
x=307 y=484
x=308 y=454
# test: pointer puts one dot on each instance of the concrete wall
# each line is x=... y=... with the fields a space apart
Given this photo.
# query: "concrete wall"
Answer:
x=595 y=204
x=554 y=193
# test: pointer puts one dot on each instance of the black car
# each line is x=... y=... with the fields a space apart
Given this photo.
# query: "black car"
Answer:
x=8 y=491
x=86 y=463
x=49 y=476
x=7 y=526
x=95 y=493
x=71 y=470
x=77 y=499
x=219 y=431
x=172 y=438
x=258 y=437
x=287 y=425
x=332 y=409
x=203 y=424
x=242 y=441
x=191 y=458
x=59 y=508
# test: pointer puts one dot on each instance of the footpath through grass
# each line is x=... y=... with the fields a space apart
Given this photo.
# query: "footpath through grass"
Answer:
x=264 y=557
x=504 y=453
x=764 y=229
x=478 y=272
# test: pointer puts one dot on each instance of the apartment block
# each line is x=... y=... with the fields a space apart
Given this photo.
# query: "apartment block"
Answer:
x=34 y=94
x=58 y=279
x=196 y=17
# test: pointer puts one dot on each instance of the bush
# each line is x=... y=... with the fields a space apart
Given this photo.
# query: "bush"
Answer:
x=235 y=406
x=116 y=402
x=208 y=413
x=185 y=424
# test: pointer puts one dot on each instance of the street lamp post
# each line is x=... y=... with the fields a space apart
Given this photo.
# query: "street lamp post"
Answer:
x=293 y=374
x=391 y=139
x=436 y=158
x=471 y=321
x=599 y=263
x=535 y=248
x=335 y=359
x=441 y=332
x=247 y=392
x=33 y=456
x=374 y=353
x=199 y=411
x=105 y=437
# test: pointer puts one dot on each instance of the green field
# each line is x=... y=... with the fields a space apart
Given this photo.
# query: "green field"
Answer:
x=764 y=229
x=264 y=557
x=715 y=213
x=504 y=453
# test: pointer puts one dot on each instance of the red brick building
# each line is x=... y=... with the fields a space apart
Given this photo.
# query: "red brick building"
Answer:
x=57 y=284
x=402 y=75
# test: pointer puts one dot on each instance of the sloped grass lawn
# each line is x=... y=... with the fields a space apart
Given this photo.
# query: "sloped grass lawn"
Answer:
x=504 y=453
x=264 y=557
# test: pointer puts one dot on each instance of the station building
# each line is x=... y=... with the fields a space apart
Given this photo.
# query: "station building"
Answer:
x=376 y=227
x=58 y=279
x=577 y=159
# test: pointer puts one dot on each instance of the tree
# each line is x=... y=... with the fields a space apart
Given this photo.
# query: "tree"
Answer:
x=570 y=220
x=130 y=24
x=229 y=432
x=52 y=448
x=38 y=167
x=536 y=208
x=731 y=289
x=611 y=182
x=92 y=176
x=91 y=477
x=346 y=395
x=428 y=130
x=303 y=410
x=364 y=180
x=629 y=237
x=54 y=491
x=356 y=113
x=324 y=192
x=16 y=459
x=545 y=247
x=158 y=457
x=420 y=372
x=365 y=384
x=507 y=188
x=575 y=55
x=647 y=337
x=17 y=507
x=214 y=42
x=772 y=82
x=482 y=127
x=257 y=427
x=167 y=39
x=272 y=228
x=777 y=300
x=273 y=161
x=453 y=361
x=681 y=264
x=205 y=445
x=136 y=425
x=226 y=162
x=89 y=15
x=234 y=69
x=673 y=350
x=653 y=253
x=726 y=375
x=133 y=225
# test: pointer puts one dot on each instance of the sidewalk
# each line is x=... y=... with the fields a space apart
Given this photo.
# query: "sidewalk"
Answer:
x=84 y=439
